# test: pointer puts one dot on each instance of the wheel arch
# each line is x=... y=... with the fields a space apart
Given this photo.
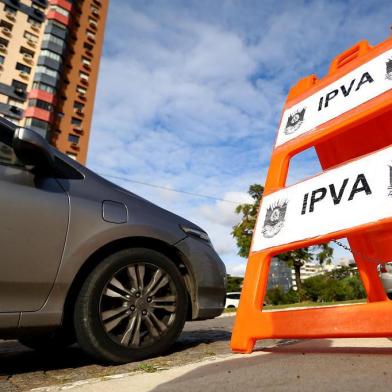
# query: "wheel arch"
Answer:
x=170 y=251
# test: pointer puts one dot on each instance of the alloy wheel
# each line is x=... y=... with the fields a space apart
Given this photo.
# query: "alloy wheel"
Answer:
x=138 y=305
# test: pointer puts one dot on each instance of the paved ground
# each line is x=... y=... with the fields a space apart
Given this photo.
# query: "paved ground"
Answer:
x=22 y=369
x=307 y=366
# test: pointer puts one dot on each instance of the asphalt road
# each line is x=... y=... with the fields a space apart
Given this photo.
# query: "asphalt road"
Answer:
x=307 y=366
x=22 y=369
x=201 y=361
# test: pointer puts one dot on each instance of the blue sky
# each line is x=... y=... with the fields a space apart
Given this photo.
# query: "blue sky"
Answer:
x=190 y=95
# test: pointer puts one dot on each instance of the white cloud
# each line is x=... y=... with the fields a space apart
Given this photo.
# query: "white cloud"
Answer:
x=190 y=94
x=237 y=269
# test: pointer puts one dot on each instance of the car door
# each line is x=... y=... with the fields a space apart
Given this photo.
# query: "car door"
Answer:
x=33 y=228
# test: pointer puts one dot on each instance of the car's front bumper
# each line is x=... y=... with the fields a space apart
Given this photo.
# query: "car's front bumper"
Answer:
x=209 y=274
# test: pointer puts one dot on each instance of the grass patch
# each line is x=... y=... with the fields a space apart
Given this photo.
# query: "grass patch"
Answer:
x=146 y=367
x=306 y=304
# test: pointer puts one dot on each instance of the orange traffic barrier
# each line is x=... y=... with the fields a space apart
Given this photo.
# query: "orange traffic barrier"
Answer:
x=347 y=118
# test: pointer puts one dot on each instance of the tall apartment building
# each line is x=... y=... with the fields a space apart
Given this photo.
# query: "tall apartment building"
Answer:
x=49 y=58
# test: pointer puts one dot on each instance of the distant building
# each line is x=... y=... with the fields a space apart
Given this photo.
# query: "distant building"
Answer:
x=310 y=269
x=49 y=58
x=279 y=275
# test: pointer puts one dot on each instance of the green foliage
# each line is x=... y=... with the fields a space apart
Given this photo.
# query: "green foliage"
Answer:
x=234 y=283
x=338 y=285
x=244 y=230
x=276 y=296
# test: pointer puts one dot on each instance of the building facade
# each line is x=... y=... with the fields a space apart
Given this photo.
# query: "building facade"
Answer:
x=49 y=58
x=279 y=275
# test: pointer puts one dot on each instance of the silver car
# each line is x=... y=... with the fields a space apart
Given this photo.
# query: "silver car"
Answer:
x=385 y=272
x=85 y=260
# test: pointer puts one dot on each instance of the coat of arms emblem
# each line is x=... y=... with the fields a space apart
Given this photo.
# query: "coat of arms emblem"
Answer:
x=294 y=121
x=274 y=219
x=388 y=66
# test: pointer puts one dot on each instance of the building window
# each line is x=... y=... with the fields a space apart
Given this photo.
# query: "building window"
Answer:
x=75 y=121
x=35 y=122
x=41 y=104
x=2 y=58
x=19 y=85
x=81 y=90
x=29 y=52
x=83 y=76
x=43 y=87
x=33 y=22
x=38 y=7
x=16 y=103
x=60 y=10
x=53 y=39
x=5 y=24
x=86 y=61
x=94 y=10
x=9 y=10
x=23 y=68
x=92 y=21
x=47 y=71
x=73 y=139
x=57 y=24
x=90 y=34
x=4 y=41
x=50 y=54
x=78 y=106
x=88 y=47
x=31 y=37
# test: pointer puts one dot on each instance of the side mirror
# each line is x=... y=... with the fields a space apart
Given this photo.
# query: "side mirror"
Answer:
x=32 y=149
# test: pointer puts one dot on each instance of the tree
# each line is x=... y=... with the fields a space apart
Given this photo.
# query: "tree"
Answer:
x=244 y=230
x=234 y=283
x=243 y=233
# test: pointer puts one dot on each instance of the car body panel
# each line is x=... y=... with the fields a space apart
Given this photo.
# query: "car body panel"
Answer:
x=210 y=276
x=99 y=214
x=386 y=278
x=31 y=250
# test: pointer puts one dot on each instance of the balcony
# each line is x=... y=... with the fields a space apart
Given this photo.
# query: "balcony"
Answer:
x=28 y=58
x=7 y=32
x=24 y=74
x=79 y=112
x=93 y=25
x=78 y=130
x=32 y=43
x=75 y=147
x=35 y=27
x=10 y=16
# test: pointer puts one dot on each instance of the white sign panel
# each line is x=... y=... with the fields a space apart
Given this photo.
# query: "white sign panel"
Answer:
x=357 y=193
x=359 y=86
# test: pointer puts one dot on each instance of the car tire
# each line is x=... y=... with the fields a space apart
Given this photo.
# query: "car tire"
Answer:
x=132 y=306
x=56 y=340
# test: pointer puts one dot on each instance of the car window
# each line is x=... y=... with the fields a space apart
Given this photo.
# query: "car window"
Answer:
x=7 y=155
x=233 y=296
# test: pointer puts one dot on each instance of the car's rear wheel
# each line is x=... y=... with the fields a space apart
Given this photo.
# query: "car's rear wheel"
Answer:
x=132 y=306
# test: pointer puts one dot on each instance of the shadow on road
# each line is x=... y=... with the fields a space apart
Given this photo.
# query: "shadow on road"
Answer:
x=306 y=366
x=17 y=359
